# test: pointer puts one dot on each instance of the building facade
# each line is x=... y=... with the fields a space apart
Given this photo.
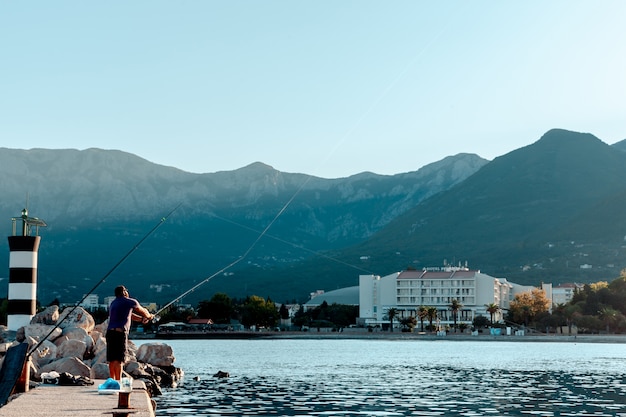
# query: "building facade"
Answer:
x=406 y=291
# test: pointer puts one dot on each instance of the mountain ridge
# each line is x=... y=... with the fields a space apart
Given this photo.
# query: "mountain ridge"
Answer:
x=534 y=214
x=98 y=202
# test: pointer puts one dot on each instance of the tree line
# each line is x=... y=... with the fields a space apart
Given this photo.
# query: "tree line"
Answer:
x=597 y=308
x=263 y=313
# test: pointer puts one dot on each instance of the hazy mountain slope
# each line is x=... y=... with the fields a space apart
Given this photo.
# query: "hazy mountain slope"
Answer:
x=98 y=204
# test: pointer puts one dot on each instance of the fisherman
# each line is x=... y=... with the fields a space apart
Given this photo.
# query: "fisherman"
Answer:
x=121 y=311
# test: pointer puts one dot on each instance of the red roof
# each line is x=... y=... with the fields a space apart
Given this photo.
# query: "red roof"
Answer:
x=415 y=274
x=200 y=321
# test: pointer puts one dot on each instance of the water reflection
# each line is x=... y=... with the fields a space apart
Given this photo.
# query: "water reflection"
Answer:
x=427 y=391
x=367 y=383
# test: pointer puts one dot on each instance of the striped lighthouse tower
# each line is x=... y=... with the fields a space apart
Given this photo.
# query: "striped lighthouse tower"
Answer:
x=23 y=271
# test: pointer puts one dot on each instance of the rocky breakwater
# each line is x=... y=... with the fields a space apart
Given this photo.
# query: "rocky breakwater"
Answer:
x=77 y=346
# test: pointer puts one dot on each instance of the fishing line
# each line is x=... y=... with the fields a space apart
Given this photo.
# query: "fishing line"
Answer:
x=278 y=239
x=345 y=136
x=236 y=261
x=133 y=249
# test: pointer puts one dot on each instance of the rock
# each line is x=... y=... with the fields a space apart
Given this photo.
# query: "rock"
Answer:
x=78 y=333
x=49 y=316
x=100 y=343
x=131 y=351
x=102 y=327
x=45 y=353
x=100 y=371
x=72 y=366
x=134 y=367
x=76 y=317
x=5 y=346
x=6 y=334
x=19 y=335
x=152 y=388
x=41 y=331
x=157 y=354
x=100 y=357
x=72 y=348
x=221 y=374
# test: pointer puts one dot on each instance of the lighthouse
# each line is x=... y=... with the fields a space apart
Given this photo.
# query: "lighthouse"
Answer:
x=23 y=246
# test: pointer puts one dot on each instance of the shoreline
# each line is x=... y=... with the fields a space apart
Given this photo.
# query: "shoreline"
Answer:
x=586 y=338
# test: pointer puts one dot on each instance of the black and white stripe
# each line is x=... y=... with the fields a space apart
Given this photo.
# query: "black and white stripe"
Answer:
x=22 y=280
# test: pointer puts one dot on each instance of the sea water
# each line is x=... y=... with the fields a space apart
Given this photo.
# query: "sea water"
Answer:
x=339 y=377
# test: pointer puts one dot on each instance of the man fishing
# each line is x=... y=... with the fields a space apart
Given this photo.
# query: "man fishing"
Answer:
x=122 y=311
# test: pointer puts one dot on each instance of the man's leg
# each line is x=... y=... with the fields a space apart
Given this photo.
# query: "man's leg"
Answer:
x=115 y=370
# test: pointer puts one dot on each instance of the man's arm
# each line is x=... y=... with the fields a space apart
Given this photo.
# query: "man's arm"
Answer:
x=141 y=314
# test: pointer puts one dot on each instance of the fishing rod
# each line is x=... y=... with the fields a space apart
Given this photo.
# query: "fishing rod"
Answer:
x=157 y=316
x=133 y=249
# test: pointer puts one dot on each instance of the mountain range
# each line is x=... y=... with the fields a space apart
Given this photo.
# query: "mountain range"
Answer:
x=98 y=204
x=551 y=211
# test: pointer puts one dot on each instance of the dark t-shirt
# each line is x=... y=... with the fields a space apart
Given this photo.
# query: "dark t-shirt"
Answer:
x=120 y=312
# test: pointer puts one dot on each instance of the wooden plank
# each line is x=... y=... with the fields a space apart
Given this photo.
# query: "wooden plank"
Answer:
x=11 y=370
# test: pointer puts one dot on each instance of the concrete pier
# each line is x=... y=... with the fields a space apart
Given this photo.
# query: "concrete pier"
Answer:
x=78 y=401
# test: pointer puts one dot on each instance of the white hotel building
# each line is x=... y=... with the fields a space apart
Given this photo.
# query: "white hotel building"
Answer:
x=406 y=291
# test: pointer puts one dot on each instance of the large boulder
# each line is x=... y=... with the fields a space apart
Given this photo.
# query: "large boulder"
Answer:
x=102 y=327
x=49 y=316
x=72 y=348
x=78 y=333
x=76 y=317
x=72 y=366
x=41 y=331
x=100 y=371
x=157 y=354
x=45 y=353
x=100 y=357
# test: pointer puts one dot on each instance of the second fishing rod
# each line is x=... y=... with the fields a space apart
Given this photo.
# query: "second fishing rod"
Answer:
x=103 y=279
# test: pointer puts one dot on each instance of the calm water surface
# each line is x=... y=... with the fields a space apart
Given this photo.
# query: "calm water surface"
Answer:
x=396 y=378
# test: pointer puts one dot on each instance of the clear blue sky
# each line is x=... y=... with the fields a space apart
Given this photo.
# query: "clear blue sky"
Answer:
x=329 y=88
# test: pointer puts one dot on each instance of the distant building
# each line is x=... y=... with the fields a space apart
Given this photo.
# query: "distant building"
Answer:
x=108 y=300
x=345 y=296
x=406 y=291
x=91 y=302
x=563 y=294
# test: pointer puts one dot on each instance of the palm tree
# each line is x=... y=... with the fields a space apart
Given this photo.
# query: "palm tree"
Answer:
x=422 y=313
x=432 y=315
x=455 y=306
x=492 y=309
x=391 y=313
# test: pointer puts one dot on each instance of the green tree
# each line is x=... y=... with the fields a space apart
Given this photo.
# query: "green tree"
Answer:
x=219 y=308
x=432 y=316
x=611 y=318
x=492 y=309
x=455 y=306
x=176 y=313
x=408 y=323
x=391 y=314
x=480 y=321
x=259 y=312
x=283 y=312
x=422 y=314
